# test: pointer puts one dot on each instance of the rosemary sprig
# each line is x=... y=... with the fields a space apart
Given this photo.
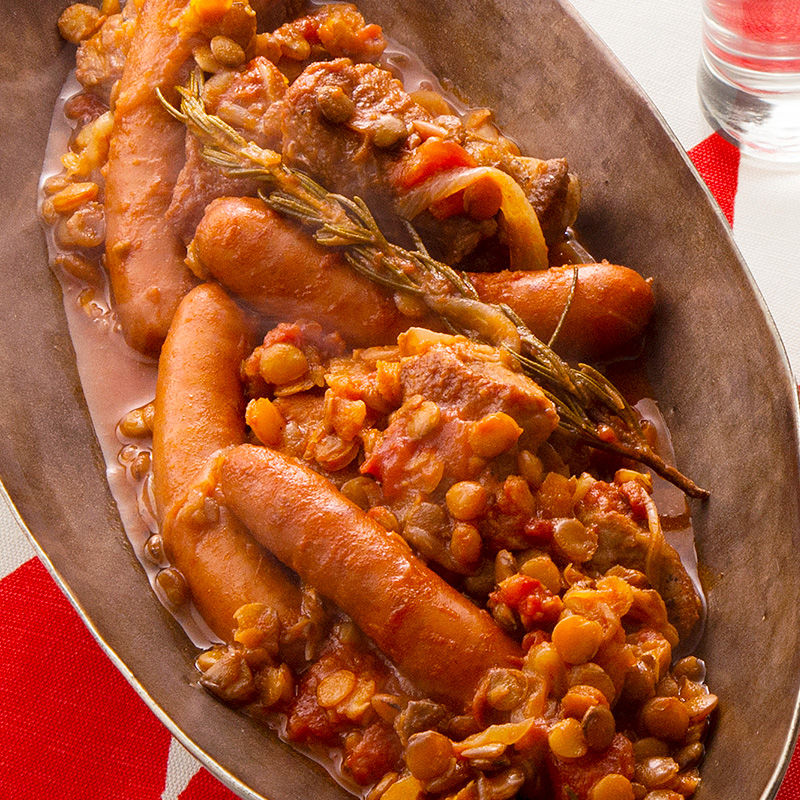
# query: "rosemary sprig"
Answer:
x=590 y=408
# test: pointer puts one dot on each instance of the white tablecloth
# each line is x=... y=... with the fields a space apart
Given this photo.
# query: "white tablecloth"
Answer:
x=659 y=44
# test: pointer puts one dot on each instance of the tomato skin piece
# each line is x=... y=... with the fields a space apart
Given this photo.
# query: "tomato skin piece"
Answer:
x=573 y=780
x=432 y=156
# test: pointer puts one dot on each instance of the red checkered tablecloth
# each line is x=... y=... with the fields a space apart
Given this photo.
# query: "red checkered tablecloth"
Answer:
x=70 y=726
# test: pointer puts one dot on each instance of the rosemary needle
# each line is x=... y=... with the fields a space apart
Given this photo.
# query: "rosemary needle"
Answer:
x=590 y=408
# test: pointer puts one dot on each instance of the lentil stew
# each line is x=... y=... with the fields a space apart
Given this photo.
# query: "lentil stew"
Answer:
x=392 y=546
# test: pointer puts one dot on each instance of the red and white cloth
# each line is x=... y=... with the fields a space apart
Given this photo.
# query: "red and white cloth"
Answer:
x=70 y=726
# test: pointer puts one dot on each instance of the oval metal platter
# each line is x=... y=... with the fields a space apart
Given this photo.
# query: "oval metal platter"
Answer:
x=714 y=358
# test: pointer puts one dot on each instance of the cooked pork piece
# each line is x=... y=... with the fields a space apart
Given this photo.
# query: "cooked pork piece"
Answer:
x=356 y=130
x=250 y=101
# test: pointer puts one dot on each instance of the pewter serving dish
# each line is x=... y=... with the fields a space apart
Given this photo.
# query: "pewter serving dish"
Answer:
x=714 y=361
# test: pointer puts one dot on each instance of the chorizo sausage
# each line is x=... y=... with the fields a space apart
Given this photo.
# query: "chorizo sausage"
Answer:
x=144 y=257
x=434 y=635
x=269 y=263
x=199 y=409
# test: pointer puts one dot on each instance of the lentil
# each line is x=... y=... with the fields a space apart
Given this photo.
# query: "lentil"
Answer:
x=612 y=787
x=265 y=421
x=577 y=638
x=530 y=467
x=282 y=363
x=656 y=772
x=593 y=675
x=574 y=540
x=507 y=688
x=428 y=754
x=386 y=706
x=384 y=517
x=566 y=739
x=205 y=59
x=173 y=586
x=275 y=685
x=140 y=465
x=388 y=131
x=227 y=52
x=154 y=550
x=466 y=544
x=580 y=698
x=466 y=500
x=423 y=419
x=690 y=667
x=493 y=435
x=666 y=718
x=543 y=569
x=335 y=688
x=334 y=104
x=599 y=727
x=689 y=755
x=74 y=195
x=649 y=747
x=363 y=491
x=138 y=422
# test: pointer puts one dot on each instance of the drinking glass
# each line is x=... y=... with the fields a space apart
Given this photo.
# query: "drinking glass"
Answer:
x=749 y=79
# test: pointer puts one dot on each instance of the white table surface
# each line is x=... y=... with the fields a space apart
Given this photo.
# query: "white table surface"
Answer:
x=659 y=44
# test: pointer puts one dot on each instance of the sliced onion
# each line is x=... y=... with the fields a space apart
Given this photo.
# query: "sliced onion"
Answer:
x=478 y=320
x=520 y=225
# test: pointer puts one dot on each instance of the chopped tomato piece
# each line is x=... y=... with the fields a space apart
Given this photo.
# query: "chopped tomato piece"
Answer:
x=540 y=530
x=573 y=780
x=637 y=496
x=432 y=156
x=448 y=206
x=536 y=605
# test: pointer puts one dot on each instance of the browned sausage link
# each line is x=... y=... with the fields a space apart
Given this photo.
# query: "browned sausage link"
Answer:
x=610 y=308
x=199 y=405
x=199 y=409
x=269 y=263
x=144 y=257
x=437 y=637
x=263 y=258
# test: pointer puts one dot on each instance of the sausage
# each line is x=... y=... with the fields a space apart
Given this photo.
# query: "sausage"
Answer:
x=199 y=409
x=434 y=635
x=610 y=308
x=199 y=406
x=269 y=263
x=143 y=255
x=263 y=258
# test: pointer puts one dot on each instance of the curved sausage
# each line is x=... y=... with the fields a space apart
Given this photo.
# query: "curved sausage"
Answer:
x=199 y=406
x=199 y=409
x=269 y=263
x=143 y=255
x=610 y=308
x=264 y=259
x=437 y=637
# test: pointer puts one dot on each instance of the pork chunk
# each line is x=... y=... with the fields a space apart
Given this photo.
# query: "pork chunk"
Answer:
x=334 y=113
x=454 y=377
x=250 y=101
